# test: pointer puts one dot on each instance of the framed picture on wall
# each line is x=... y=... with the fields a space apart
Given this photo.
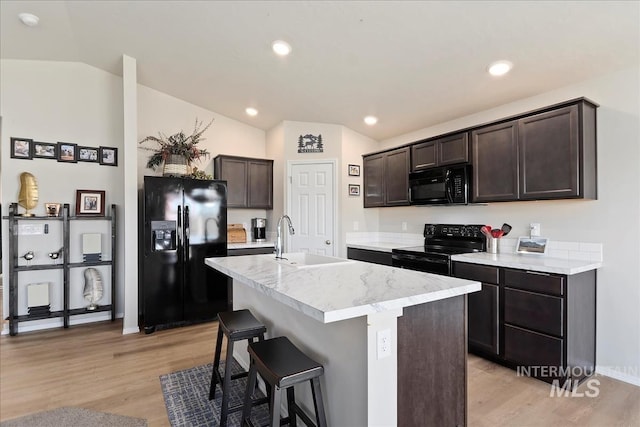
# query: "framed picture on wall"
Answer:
x=88 y=154
x=45 y=150
x=354 y=189
x=67 y=152
x=21 y=148
x=109 y=156
x=354 y=170
x=90 y=202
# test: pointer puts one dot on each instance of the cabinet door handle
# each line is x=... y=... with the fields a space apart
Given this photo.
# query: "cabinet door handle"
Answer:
x=327 y=242
x=422 y=165
x=539 y=273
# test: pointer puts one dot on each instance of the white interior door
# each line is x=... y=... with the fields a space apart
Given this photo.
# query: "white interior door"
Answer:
x=312 y=207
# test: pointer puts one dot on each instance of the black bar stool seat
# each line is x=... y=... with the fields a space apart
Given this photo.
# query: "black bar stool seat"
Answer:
x=236 y=325
x=282 y=365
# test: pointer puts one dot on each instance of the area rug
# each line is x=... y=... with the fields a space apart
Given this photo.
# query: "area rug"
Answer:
x=66 y=417
x=186 y=396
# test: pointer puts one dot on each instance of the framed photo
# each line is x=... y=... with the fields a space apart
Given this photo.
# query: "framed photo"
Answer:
x=532 y=245
x=52 y=209
x=45 y=150
x=88 y=154
x=354 y=190
x=21 y=148
x=67 y=152
x=89 y=203
x=354 y=170
x=109 y=156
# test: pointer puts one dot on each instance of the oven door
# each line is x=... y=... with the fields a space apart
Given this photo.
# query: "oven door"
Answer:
x=428 y=263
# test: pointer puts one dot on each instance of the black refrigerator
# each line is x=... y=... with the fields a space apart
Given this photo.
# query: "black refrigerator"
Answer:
x=184 y=221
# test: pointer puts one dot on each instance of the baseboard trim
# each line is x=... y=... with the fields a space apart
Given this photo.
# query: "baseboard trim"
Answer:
x=621 y=375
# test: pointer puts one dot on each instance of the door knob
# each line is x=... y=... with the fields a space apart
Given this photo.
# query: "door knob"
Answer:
x=327 y=242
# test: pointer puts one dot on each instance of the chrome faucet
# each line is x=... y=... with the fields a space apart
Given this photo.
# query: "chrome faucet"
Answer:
x=279 y=242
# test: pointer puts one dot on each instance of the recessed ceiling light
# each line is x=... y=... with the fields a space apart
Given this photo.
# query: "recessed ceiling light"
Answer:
x=251 y=111
x=29 y=19
x=281 y=48
x=371 y=120
x=500 y=68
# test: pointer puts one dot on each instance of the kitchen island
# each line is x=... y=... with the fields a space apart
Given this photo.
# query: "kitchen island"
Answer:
x=392 y=341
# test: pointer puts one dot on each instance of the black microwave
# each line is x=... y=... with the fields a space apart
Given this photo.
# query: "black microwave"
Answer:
x=440 y=186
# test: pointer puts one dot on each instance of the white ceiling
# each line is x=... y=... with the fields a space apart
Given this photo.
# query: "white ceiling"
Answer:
x=411 y=63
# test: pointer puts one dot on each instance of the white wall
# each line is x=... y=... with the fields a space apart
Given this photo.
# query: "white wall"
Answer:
x=72 y=102
x=352 y=215
x=159 y=112
x=613 y=219
x=340 y=144
x=59 y=101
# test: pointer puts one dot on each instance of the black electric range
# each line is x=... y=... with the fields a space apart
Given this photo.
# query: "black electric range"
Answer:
x=441 y=241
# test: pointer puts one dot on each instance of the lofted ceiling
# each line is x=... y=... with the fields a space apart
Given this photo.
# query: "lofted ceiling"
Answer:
x=413 y=64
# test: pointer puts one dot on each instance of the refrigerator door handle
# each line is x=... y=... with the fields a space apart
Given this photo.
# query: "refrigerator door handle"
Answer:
x=179 y=232
x=186 y=233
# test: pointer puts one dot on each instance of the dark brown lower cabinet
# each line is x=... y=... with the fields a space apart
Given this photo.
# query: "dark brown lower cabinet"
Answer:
x=545 y=324
x=432 y=364
x=376 y=257
x=483 y=309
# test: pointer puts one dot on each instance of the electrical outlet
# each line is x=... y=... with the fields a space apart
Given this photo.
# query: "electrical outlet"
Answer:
x=534 y=229
x=384 y=343
x=404 y=226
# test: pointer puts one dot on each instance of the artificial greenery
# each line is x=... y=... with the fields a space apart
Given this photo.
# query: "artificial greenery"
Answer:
x=178 y=143
x=198 y=174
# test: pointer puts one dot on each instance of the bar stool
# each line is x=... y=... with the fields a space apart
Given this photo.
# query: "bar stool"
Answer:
x=282 y=365
x=236 y=326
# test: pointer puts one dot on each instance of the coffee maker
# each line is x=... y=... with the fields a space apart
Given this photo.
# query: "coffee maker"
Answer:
x=259 y=229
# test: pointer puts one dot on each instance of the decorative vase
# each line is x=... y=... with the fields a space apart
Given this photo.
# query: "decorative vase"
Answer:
x=175 y=165
x=28 y=196
x=93 y=287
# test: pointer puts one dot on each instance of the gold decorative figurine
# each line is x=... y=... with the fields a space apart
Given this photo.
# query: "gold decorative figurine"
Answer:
x=28 y=196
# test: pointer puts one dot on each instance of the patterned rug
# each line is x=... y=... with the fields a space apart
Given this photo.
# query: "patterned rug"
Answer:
x=66 y=417
x=186 y=396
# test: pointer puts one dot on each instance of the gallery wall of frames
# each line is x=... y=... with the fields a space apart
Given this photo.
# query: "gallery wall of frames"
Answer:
x=67 y=152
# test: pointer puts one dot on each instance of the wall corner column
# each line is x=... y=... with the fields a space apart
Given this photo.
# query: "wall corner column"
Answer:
x=130 y=191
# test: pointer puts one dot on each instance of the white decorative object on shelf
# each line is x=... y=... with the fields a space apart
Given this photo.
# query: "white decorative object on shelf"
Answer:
x=93 y=287
x=91 y=247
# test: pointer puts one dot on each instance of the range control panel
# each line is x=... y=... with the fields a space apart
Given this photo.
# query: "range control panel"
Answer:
x=452 y=230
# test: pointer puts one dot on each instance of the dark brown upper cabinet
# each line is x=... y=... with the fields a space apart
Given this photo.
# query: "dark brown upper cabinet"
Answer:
x=249 y=181
x=443 y=151
x=547 y=154
x=494 y=156
x=386 y=178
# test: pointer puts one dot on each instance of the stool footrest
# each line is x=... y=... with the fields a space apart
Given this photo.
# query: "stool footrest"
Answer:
x=254 y=402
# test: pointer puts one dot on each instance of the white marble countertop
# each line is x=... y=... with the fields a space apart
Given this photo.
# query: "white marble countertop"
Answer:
x=339 y=291
x=530 y=262
x=250 y=245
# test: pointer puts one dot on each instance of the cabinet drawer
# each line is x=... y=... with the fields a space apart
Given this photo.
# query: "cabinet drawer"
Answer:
x=531 y=348
x=376 y=257
x=534 y=281
x=481 y=273
x=541 y=313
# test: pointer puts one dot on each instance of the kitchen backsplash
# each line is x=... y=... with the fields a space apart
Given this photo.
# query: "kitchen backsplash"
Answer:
x=585 y=251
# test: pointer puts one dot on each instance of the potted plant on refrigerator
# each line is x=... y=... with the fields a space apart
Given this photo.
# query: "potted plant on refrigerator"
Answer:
x=177 y=152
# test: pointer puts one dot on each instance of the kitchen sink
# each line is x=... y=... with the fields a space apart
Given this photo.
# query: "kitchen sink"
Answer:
x=303 y=259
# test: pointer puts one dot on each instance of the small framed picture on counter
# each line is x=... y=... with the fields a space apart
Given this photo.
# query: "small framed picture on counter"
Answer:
x=532 y=245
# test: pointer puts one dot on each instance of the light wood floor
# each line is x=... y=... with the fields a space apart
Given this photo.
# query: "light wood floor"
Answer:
x=96 y=367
